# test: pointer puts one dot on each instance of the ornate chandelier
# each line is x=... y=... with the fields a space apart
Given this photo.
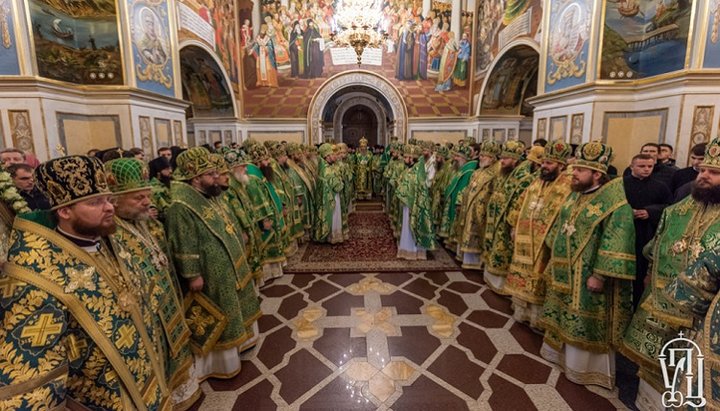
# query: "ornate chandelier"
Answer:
x=357 y=21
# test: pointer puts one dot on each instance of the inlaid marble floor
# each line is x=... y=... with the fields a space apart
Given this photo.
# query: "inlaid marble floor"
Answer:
x=395 y=341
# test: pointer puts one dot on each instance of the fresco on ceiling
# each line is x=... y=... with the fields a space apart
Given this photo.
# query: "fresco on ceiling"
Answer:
x=212 y=22
x=566 y=64
x=77 y=41
x=9 y=64
x=150 y=29
x=712 y=45
x=501 y=21
x=204 y=85
x=295 y=52
x=512 y=81
x=644 y=38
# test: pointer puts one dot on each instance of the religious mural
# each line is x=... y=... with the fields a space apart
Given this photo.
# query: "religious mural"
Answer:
x=296 y=50
x=212 y=22
x=204 y=85
x=8 y=50
x=501 y=21
x=512 y=81
x=77 y=41
x=644 y=38
x=568 y=44
x=712 y=45
x=152 y=51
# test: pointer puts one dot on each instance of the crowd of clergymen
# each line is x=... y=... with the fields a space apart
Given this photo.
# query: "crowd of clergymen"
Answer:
x=140 y=282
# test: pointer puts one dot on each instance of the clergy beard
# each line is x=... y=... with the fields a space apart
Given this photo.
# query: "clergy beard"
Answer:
x=165 y=180
x=708 y=195
x=581 y=186
x=214 y=190
x=547 y=175
x=93 y=231
x=267 y=172
x=505 y=170
x=285 y=165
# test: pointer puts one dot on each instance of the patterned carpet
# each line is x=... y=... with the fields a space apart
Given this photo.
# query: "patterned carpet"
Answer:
x=395 y=341
x=371 y=248
x=292 y=98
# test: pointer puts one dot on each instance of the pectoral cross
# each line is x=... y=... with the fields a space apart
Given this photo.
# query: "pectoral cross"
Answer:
x=43 y=328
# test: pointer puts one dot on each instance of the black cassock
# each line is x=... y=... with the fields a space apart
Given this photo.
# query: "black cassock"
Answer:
x=652 y=195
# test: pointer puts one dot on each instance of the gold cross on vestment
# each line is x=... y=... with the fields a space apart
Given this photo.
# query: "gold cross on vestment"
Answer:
x=43 y=328
x=126 y=339
x=594 y=210
x=7 y=287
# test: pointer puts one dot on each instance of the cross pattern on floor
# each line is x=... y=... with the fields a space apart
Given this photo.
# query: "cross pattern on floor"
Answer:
x=400 y=341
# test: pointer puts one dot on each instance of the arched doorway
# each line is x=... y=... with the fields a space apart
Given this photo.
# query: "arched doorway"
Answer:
x=337 y=95
x=512 y=80
x=363 y=101
x=205 y=85
x=358 y=122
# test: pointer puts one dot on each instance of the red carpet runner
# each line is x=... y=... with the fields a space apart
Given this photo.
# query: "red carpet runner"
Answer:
x=371 y=248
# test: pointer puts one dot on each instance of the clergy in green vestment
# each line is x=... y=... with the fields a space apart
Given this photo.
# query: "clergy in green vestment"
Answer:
x=428 y=154
x=695 y=296
x=531 y=217
x=470 y=224
x=160 y=176
x=393 y=170
x=328 y=201
x=209 y=255
x=145 y=238
x=507 y=188
x=79 y=329
x=416 y=232
x=342 y=163
x=237 y=195
x=686 y=229
x=285 y=187
x=588 y=302
x=363 y=176
x=464 y=167
x=304 y=183
x=269 y=208
x=445 y=167
x=376 y=171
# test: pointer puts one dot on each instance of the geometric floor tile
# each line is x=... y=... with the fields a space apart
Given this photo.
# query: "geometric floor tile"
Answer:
x=394 y=341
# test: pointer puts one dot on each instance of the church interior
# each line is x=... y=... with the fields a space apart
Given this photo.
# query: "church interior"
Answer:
x=350 y=326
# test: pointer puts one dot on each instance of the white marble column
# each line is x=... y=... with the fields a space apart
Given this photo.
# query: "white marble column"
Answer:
x=455 y=19
x=426 y=7
x=256 y=20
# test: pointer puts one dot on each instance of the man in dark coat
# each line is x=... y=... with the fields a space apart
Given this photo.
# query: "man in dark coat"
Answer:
x=688 y=174
x=648 y=197
x=661 y=172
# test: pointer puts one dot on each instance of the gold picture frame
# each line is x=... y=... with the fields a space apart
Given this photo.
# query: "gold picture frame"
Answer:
x=558 y=128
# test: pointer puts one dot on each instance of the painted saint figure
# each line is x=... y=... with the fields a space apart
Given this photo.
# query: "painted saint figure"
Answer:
x=447 y=65
x=264 y=52
x=297 y=51
x=313 y=51
x=406 y=44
